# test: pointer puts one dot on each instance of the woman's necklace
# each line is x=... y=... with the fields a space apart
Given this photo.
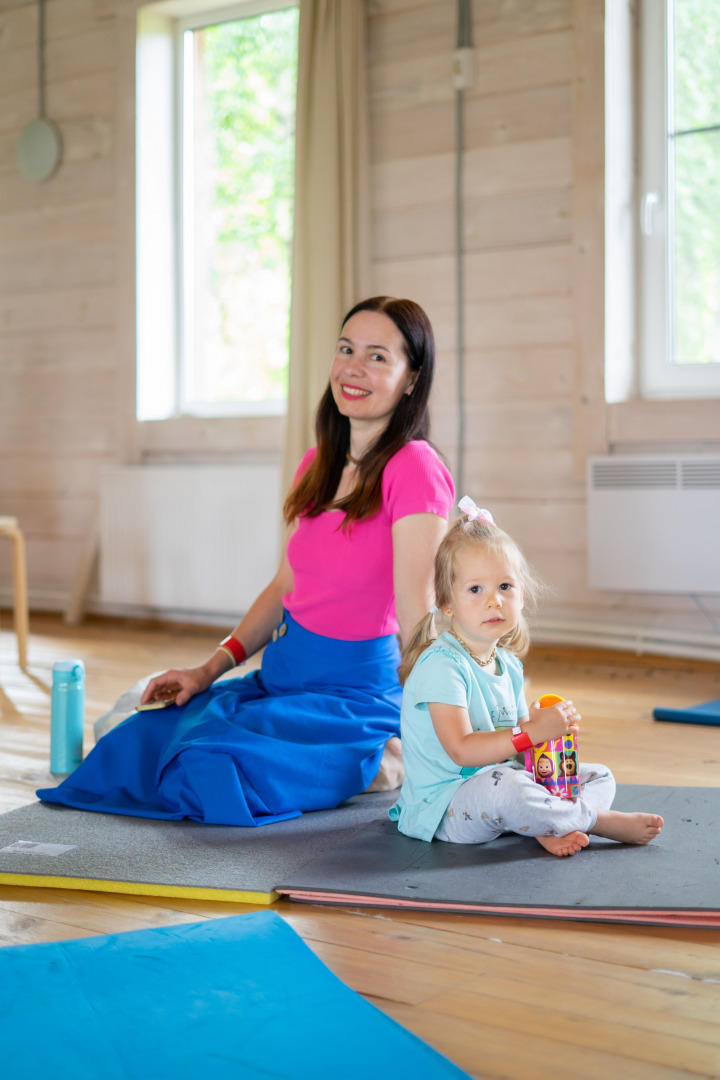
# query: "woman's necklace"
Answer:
x=466 y=647
x=351 y=459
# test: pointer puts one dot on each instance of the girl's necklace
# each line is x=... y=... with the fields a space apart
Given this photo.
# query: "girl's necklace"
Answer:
x=351 y=459
x=466 y=647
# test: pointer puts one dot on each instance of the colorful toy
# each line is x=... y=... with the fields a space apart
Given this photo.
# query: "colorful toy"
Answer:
x=554 y=764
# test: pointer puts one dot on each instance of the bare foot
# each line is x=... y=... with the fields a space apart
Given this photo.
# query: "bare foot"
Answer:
x=564 y=845
x=391 y=772
x=627 y=828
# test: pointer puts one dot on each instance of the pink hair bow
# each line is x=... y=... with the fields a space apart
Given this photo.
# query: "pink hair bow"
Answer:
x=474 y=512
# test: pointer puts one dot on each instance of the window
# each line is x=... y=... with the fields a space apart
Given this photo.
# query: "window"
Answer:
x=679 y=204
x=215 y=181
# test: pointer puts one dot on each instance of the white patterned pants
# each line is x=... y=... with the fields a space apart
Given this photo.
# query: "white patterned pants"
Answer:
x=503 y=799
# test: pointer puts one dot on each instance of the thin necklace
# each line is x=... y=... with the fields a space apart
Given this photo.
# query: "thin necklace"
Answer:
x=466 y=647
x=351 y=459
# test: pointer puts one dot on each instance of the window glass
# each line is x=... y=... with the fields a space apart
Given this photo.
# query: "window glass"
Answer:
x=238 y=98
x=694 y=178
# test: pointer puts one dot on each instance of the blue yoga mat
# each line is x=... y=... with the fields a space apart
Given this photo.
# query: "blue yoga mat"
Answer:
x=708 y=713
x=239 y=997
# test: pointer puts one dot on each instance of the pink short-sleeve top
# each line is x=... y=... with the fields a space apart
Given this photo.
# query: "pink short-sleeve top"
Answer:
x=343 y=581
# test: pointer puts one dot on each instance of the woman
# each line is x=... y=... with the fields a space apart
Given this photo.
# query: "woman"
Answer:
x=366 y=514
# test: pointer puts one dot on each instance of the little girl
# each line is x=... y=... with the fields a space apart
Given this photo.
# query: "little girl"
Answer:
x=464 y=717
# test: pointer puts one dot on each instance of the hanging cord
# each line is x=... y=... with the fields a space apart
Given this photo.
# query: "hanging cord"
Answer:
x=460 y=296
x=708 y=614
x=41 y=59
x=464 y=41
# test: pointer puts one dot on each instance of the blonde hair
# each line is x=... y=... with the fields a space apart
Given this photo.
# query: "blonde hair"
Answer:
x=462 y=534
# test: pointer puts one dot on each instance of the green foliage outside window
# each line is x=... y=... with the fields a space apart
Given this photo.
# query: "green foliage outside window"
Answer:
x=251 y=72
x=244 y=103
x=695 y=159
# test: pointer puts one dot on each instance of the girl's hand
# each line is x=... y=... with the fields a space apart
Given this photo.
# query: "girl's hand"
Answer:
x=182 y=682
x=552 y=722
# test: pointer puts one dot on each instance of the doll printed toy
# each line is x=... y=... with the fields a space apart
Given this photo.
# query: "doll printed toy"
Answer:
x=554 y=764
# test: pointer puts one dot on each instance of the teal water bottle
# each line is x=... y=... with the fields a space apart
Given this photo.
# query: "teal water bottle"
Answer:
x=67 y=716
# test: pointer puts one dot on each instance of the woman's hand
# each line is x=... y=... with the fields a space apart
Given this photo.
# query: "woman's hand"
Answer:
x=551 y=722
x=180 y=683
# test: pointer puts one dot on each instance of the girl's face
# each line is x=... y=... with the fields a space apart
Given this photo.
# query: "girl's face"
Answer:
x=487 y=597
x=370 y=372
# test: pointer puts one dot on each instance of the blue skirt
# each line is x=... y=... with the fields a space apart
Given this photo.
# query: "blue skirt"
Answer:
x=305 y=732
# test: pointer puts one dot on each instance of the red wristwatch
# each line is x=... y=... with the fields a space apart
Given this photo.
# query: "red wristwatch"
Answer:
x=521 y=740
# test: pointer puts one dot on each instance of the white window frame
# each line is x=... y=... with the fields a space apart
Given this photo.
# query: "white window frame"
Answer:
x=659 y=378
x=160 y=214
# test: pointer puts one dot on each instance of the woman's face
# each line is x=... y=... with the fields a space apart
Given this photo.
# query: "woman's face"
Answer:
x=370 y=372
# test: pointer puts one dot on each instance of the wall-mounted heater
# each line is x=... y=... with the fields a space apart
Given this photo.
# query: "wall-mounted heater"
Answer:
x=654 y=523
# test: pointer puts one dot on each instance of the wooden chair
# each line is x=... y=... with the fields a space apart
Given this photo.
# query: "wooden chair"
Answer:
x=9 y=527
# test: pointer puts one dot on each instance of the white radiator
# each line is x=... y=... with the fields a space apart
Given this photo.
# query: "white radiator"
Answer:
x=654 y=523
x=202 y=539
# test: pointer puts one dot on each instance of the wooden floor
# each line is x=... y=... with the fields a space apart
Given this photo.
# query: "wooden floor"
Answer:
x=510 y=998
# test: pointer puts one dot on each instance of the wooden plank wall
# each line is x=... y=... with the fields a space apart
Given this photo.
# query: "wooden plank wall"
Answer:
x=58 y=357
x=531 y=197
x=534 y=265
x=518 y=183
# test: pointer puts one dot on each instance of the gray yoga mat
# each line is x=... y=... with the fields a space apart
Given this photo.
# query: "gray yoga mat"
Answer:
x=674 y=880
x=55 y=847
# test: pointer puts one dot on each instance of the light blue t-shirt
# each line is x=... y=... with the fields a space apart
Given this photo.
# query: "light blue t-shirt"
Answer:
x=446 y=673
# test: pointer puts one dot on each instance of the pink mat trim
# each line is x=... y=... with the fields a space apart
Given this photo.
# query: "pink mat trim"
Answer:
x=658 y=917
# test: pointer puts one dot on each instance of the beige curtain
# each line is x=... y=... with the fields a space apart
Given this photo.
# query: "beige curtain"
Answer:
x=331 y=265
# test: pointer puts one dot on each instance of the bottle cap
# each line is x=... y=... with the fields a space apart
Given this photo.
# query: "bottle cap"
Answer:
x=68 y=670
x=549 y=699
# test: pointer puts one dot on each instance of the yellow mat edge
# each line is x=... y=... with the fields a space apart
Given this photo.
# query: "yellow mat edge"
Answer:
x=235 y=896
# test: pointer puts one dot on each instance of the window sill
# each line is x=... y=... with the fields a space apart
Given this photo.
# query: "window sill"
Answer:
x=689 y=420
x=211 y=439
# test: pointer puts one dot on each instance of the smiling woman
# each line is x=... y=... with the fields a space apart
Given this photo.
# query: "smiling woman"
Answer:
x=347 y=423
x=366 y=514
x=369 y=375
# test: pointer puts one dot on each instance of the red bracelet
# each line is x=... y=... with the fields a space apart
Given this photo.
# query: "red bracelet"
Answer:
x=234 y=649
x=521 y=741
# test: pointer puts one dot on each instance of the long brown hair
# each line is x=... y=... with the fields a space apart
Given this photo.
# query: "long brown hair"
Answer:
x=465 y=533
x=315 y=491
